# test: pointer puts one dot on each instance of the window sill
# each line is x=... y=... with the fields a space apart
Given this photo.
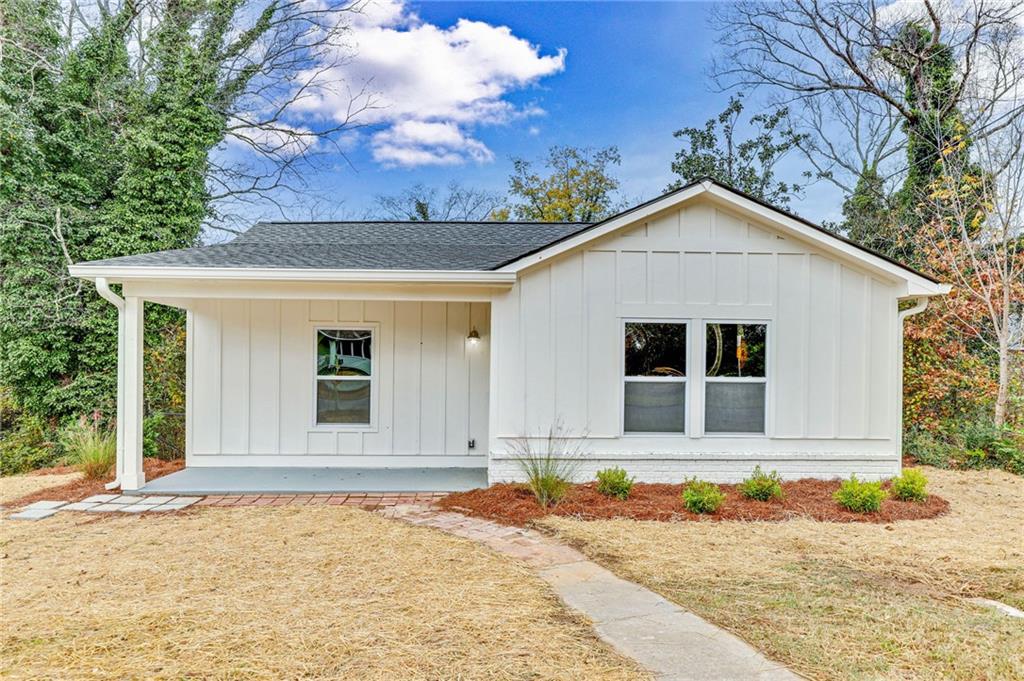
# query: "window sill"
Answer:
x=343 y=428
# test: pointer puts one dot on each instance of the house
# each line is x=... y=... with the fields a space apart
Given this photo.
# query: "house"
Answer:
x=700 y=333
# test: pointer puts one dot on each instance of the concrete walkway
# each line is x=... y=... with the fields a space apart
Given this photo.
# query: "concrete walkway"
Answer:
x=670 y=642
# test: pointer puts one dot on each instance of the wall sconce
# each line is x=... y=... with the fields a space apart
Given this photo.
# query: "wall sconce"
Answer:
x=473 y=338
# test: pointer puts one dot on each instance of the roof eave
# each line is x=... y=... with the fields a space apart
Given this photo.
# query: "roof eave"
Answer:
x=115 y=273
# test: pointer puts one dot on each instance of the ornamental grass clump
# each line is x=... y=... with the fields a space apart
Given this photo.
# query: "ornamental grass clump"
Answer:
x=700 y=496
x=614 y=482
x=91 y=448
x=762 y=486
x=860 y=496
x=910 y=485
x=549 y=463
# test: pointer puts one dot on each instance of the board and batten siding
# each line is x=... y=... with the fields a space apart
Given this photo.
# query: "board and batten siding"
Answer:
x=250 y=373
x=832 y=350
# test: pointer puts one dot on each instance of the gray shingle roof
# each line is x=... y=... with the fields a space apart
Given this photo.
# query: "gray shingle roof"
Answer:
x=364 y=245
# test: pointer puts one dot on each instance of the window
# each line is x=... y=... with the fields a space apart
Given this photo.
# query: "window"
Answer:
x=655 y=377
x=734 y=386
x=344 y=371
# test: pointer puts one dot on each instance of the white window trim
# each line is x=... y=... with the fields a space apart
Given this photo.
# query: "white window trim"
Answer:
x=685 y=380
x=736 y=379
x=374 y=330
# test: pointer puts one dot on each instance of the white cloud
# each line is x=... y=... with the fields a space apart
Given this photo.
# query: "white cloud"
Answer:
x=417 y=143
x=433 y=85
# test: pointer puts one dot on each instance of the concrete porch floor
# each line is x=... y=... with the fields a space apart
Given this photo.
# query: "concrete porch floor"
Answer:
x=252 y=480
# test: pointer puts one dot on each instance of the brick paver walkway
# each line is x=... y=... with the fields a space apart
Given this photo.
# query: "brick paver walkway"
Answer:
x=360 y=499
x=530 y=546
x=122 y=503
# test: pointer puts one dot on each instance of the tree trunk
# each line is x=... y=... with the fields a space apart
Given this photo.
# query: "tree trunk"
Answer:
x=1003 y=394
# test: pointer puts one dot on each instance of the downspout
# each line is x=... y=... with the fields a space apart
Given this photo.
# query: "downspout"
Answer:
x=106 y=294
x=920 y=305
x=103 y=288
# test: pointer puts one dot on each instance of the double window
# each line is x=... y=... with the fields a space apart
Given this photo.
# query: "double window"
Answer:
x=732 y=388
x=344 y=376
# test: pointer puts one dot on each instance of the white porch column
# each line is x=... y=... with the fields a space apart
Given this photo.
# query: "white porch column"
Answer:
x=129 y=366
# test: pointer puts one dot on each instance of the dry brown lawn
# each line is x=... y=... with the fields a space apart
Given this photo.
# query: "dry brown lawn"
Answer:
x=16 y=486
x=846 y=601
x=277 y=593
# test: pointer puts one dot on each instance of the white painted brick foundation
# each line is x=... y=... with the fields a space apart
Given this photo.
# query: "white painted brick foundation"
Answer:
x=723 y=468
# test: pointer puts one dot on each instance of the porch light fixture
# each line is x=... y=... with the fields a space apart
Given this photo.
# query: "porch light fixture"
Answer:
x=473 y=337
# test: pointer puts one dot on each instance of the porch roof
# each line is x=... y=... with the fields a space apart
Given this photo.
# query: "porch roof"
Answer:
x=433 y=246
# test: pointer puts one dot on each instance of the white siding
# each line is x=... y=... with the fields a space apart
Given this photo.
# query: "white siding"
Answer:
x=832 y=348
x=251 y=383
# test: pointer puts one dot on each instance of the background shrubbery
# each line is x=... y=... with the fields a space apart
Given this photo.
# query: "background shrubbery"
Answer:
x=974 y=444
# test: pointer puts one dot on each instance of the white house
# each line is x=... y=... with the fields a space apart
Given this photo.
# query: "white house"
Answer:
x=700 y=333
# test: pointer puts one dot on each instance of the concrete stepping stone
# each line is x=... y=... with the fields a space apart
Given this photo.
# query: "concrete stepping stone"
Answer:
x=34 y=514
x=154 y=500
x=100 y=498
x=135 y=508
x=124 y=499
x=45 y=505
x=105 y=508
x=999 y=606
x=80 y=506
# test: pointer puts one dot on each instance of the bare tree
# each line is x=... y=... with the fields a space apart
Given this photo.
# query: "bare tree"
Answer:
x=423 y=203
x=868 y=138
x=823 y=54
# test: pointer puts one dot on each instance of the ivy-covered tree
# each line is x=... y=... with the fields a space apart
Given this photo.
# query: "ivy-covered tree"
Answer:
x=107 y=146
x=716 y=151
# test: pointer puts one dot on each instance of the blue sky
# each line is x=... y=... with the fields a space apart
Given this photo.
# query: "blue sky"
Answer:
x=580 y=73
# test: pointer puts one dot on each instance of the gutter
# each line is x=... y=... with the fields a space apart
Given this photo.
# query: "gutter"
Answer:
x=920 y=306
x=449 y=277
x=103 y=288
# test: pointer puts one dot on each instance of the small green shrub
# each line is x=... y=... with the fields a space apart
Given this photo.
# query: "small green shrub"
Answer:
x=910 y=486
x=860 y=496
x=762 y=486
x=700 y=496
x=90 y=447
x=614 y=482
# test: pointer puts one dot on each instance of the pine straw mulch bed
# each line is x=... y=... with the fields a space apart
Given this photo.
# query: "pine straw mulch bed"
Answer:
x=262 y=594
x=515 y=504
x=80 y=487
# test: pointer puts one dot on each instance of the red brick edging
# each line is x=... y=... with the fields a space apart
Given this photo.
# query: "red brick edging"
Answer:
x=365 y=500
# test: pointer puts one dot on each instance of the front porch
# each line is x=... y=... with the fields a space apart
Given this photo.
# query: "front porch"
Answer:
x=269 y=411
x=202 y=481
